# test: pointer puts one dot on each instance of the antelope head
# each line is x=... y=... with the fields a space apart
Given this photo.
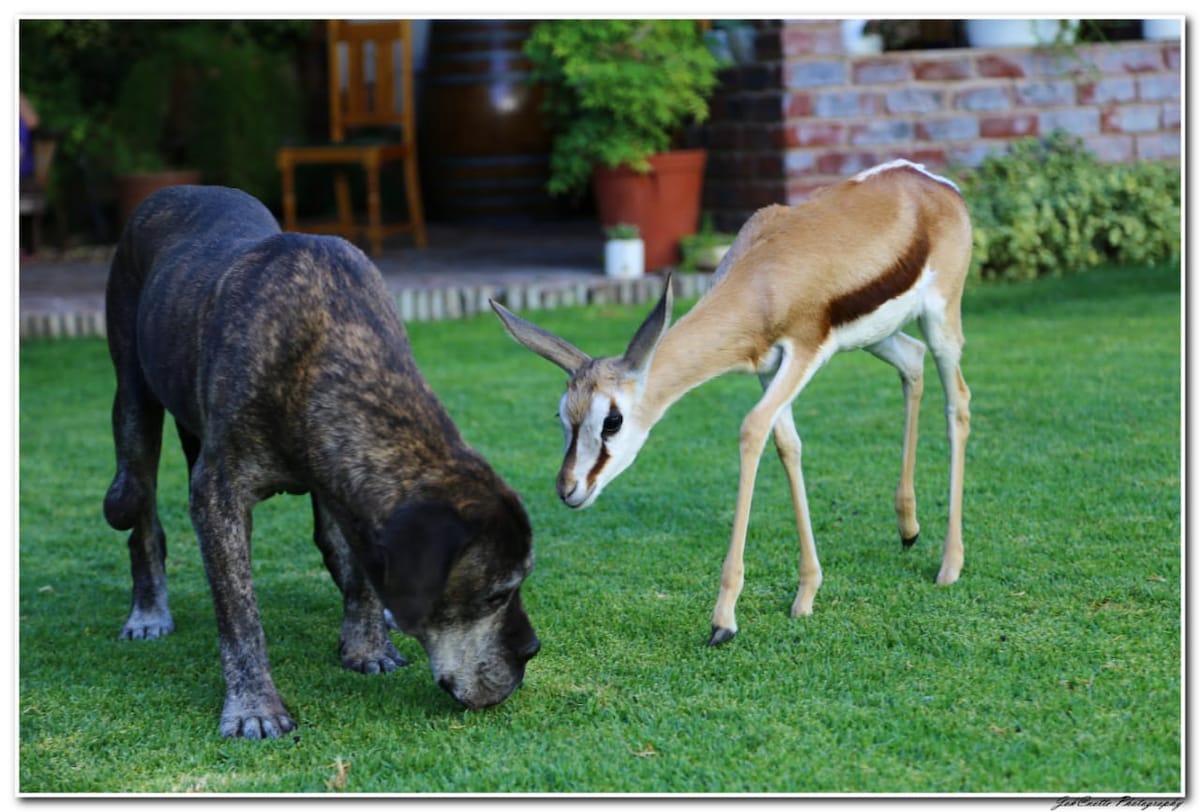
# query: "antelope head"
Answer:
x=604 y=424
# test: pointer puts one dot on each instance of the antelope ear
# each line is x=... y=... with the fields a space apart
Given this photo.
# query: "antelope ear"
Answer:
x=645 y=341
x=549 y=346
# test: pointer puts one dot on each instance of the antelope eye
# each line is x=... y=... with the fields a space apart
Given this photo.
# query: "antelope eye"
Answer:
x=612 y=423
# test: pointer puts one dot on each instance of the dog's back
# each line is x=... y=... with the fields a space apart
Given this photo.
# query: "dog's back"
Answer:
x=211 y=264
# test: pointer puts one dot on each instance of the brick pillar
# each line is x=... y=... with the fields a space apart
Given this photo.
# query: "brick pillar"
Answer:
x=742 y=136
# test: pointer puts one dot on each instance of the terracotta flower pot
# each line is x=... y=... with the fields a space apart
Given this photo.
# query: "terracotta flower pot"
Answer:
x=132 y=189
x=664 y=203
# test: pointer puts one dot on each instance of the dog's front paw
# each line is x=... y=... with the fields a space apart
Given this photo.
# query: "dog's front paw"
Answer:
x=147 y=624
x=373 y=659
x=263 y=719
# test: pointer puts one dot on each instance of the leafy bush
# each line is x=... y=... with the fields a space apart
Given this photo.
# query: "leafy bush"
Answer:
x=124 y=95
x=618 y=90
x=1049 y=207
x=206 y=95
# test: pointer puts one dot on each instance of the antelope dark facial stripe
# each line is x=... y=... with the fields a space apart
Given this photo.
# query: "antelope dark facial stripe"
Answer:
x=601 y=461
x=895 y=280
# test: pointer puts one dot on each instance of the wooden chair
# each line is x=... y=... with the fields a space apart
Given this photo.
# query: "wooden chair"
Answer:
x=363 y=97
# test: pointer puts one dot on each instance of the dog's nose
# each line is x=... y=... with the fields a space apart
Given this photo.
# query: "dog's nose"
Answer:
x=530 y=650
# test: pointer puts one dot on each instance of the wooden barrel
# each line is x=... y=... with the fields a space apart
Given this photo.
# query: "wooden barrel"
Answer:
x=484 y=149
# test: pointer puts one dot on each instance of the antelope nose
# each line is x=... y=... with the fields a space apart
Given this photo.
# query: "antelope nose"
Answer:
x=566 y=486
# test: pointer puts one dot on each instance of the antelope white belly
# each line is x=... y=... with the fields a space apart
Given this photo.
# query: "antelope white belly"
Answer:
x=885 y=320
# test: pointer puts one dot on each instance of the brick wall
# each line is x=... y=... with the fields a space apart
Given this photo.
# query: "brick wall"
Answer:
x=807 y=114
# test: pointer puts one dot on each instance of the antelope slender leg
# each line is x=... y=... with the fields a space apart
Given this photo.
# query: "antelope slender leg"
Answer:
x=907 y=355
x=945 y=342
x=794 y=372
x=787 y=443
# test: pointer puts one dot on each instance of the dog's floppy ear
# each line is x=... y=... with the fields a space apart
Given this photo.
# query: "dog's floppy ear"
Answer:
x=412 y=554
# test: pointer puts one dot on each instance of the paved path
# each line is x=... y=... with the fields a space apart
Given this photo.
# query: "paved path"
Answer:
x=529 y=268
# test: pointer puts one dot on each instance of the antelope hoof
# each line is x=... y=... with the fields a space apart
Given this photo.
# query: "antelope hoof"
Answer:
x=720 y=635
x=947 y=576
x=908 y=542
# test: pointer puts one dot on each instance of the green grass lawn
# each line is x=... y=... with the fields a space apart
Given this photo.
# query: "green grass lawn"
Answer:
x=1053 y=666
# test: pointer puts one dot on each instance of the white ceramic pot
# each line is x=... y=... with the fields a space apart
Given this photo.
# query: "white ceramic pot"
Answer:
x=854 y=41
x=1012 y=33
x=1162 y=29
x=625 y=259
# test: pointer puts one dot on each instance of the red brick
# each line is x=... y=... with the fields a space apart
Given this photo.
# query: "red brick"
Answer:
x=981 y=98
x=940 y=70
x=843 y=103
x=934 y=159
x=798 y=105
x=1103 y=91
x=881 y=70
x=1004 y=66
x=882 y=131
x=1138 y=59
x=915 y=100
x=804 y=39
x=1170 y=116
x=815 y=72
x=1131 y=118
x=974 y=154
x=816 y=134
x=799 y=163
x=1111 y=148
x=1011 y=126
x=1158 y=87
x=1171 y=57
x=846 y=163
x=956 y=128
x=1076 y=121
x=1158 y=147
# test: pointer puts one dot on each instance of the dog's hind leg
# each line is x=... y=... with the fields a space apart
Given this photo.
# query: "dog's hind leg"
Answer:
x=364 y=644
x=137 y=420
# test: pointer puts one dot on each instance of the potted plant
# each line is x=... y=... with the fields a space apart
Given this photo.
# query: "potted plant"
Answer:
x=624 y=252
x=202 y=100
x=617 y=94
x=704 y=250
x=1010 y=32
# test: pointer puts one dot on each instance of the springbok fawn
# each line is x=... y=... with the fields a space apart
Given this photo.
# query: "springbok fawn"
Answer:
x=844 y=270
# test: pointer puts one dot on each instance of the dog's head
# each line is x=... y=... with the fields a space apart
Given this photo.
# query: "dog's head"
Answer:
x=452 y=579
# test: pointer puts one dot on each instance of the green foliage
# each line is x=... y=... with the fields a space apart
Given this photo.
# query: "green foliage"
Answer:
x=204 y=96
x=704 y=249
x=137 y=95
x=618 y=90
x=1054 y=666
x=1049 y=207
x=622 y=231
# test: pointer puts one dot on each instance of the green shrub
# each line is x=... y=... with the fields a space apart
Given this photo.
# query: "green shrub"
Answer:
x=618 y=91
x=1049 y=207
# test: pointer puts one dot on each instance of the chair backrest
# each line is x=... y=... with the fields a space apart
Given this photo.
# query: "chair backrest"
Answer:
x=370 y=77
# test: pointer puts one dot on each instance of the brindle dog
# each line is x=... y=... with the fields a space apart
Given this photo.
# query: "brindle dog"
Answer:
x=286 y=368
